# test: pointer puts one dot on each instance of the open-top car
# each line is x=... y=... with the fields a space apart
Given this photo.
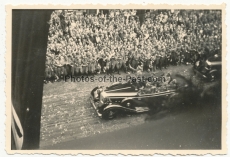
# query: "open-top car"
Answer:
x=131 y=96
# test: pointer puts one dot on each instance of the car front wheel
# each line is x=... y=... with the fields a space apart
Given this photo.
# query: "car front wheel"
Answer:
x=109 y=114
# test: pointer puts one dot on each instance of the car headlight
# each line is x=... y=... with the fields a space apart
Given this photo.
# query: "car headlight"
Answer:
x=197 y=63
x=106 y=100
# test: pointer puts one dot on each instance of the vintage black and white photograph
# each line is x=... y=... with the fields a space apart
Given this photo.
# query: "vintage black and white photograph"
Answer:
x=118 y=78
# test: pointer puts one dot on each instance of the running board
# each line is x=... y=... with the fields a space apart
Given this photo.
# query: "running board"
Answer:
x=142 y=109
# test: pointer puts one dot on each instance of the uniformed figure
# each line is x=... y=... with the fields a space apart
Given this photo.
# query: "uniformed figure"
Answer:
x=139 y=69
x=168 y=58
x=149 y=65
x=85 y=67
x=153 y=59
x=187 y=56
x=143 y=59
x=49 y=73
x=124 y=65
x=113 y=63
x=102 y=63
x=62 y=62
x=58 y=67
x=92 y=64
x=108 y=66
x=68 y=60
x=73 y=65
x=158 y=63
x=128 y=65
x=177 y=54
x=54 y=76
x=118 y=63
x=98 y=67
x=163 y=59
x=174 y=57
x=89 y=58
x=135 y=59
x=77 y=65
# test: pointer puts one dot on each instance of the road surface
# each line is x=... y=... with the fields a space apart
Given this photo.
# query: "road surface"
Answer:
x=69 y=122
x=195 y=128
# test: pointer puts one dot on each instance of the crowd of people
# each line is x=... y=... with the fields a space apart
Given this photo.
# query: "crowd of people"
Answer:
x=81 y=44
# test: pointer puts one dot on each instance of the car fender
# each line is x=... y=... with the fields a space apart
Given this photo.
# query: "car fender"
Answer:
x=95 y=89
x=115 y=83
x=214 y=70
x=126 y=99
x=92 y=91
x=117 y=106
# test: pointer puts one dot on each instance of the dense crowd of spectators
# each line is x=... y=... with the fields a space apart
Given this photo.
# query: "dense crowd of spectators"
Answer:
x=77 y=42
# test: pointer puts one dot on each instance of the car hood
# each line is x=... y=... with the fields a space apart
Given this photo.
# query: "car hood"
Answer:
x=120 y=88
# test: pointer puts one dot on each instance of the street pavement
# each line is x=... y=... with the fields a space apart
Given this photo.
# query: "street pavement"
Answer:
x=196 y=128
x=70 y=122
